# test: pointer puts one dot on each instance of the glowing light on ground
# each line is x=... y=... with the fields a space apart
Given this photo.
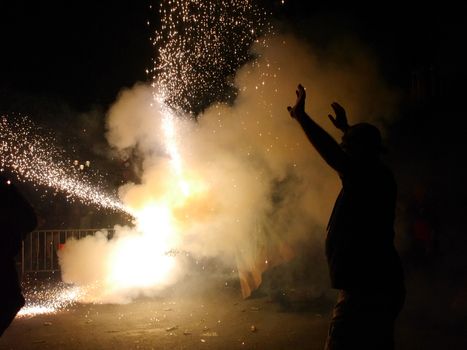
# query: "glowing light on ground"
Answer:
x=48 y=299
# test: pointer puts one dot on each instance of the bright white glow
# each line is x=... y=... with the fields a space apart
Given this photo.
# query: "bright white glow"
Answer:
x=138 y=263
x=189 y=64
x=35 y=310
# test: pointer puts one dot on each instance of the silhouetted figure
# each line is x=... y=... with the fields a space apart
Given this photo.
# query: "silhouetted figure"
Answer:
x=363 y=262
x=17 y=218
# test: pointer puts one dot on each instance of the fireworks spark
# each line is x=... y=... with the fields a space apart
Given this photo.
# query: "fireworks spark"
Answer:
x=199 y=44
x=37 y=159
x=48 y=299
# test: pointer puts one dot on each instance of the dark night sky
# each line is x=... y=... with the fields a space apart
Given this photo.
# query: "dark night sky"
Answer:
x=78 y=55
x=81 y=52
x=84 y=52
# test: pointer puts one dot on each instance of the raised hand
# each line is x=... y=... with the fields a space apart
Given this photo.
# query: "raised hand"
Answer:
x=340 y=121
x=298 y=110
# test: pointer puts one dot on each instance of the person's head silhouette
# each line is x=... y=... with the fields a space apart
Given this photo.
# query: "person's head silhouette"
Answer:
x=362 y=140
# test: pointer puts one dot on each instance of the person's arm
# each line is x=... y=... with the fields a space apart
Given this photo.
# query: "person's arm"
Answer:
x=326 y=146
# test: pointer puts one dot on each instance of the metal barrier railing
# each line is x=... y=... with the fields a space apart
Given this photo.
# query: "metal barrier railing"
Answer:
x=39 y=249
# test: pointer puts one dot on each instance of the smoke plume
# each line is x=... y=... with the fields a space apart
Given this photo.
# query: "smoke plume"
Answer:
x=263 y=195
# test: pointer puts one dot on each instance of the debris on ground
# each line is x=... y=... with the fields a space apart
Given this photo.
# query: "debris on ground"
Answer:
x=210 y=334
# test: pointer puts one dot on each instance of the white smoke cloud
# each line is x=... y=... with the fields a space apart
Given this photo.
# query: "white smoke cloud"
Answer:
x=263 y=192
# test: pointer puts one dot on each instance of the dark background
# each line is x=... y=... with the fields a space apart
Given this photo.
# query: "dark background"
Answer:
x=63 y=64
x=84 y=52
x=80 y=52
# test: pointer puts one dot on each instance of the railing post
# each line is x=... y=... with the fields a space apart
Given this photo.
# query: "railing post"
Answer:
x=48 y=244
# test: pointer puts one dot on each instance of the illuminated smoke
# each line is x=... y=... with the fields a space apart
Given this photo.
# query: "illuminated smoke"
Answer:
x=262 y=194
x=133 y=262
x=199 y=44
x=241 y=183
x=37 y=159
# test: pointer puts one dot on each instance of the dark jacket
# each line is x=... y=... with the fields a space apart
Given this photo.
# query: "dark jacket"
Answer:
x=17 y=218
x=359 y=242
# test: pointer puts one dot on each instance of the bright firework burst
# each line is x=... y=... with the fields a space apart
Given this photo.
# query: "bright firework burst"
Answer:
x=199 y=44
x=37 y=159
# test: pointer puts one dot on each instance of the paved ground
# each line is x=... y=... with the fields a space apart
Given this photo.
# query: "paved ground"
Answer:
x=208 y=318
x=211 y=315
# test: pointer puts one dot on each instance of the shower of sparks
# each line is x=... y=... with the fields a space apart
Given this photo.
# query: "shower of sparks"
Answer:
x=48 y=299
x=37 y=159
x=199 y=44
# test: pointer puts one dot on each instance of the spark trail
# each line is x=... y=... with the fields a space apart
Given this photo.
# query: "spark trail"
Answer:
x=199 y=44
x=36 y=158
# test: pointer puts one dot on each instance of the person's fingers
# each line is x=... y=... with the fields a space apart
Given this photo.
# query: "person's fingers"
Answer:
x=289 y=108
x=332 y=119
x=301 y=90
x=337 y=107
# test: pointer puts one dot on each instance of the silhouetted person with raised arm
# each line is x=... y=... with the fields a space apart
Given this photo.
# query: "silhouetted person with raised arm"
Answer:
x=363 y=262
x=17 y=218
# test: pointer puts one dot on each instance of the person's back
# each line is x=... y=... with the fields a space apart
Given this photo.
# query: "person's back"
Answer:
x=363 y=263
x=17 y=218
x=359 y=244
